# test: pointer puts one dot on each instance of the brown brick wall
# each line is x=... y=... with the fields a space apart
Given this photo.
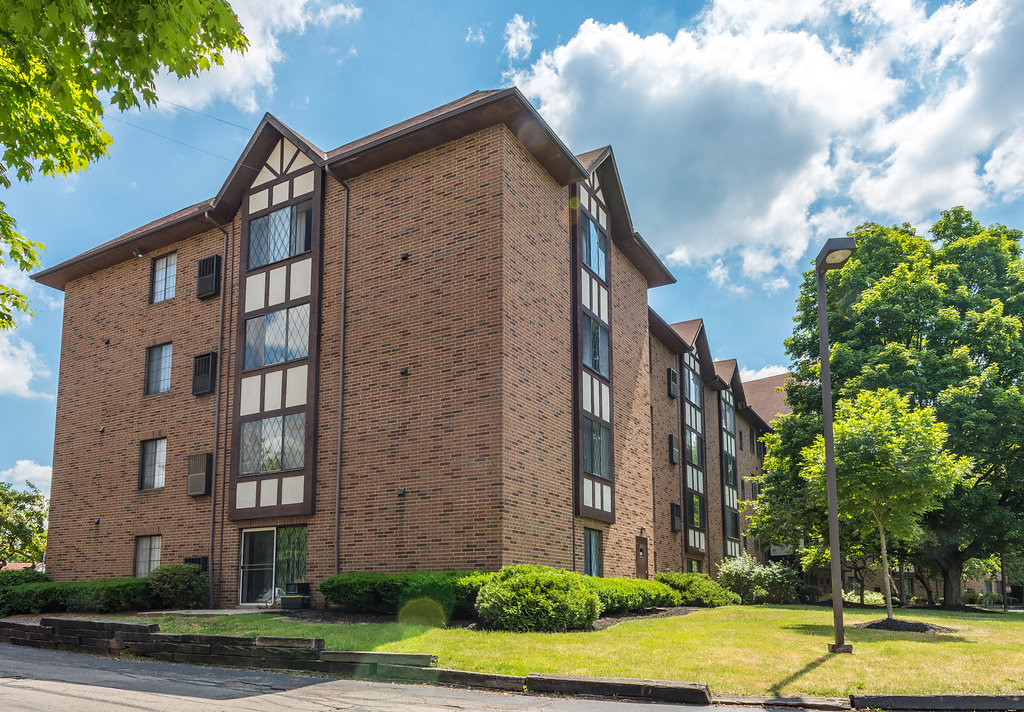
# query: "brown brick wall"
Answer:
x=668 y=478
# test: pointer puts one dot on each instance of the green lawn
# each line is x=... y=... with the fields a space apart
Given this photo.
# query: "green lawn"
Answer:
x=737 y=649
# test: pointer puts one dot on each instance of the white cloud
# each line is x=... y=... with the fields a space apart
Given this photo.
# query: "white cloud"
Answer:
x=25 y=471
x=475 y=35
x=246 y=80
x=19 y=366
x=764 y=128
x=519 y=37
x=752 y=374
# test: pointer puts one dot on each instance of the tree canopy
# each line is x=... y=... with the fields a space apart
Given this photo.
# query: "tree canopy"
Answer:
x=939 y=320
x=56 y=62
x=23 y=516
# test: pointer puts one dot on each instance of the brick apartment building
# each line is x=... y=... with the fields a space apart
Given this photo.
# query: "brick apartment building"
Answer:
x=428 y=348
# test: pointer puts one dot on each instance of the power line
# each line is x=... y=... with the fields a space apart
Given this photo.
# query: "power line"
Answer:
x=215 y=118
x=180 y=143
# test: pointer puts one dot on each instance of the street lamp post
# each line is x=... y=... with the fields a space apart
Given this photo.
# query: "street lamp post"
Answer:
x=833 y=255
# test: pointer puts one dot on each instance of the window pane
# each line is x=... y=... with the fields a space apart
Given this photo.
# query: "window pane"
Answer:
x=595 y=345
x=597 y=449
x=592 y=552
x=275 y=337
x=270 y=455
x=302 y=228
x=290 y=558
x=254 y=338
x=257 y=567
x=298 y=332
x=164 y=272
x=158 y=369
x=294 y=441
x=251 y=446
x=279 y=235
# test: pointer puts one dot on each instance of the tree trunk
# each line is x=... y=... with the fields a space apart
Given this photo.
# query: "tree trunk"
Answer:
x=860 y=580
x=885 y=569
x=952 y=582
x=927 y=587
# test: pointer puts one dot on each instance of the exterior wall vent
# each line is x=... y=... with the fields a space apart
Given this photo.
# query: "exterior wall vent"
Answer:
x=204 y=373
x=673 y=383
x=203 y=562
x=200 y=468
x=677 y=517
x=208 y=280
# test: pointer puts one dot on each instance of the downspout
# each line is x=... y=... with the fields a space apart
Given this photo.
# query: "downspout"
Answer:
x=341 y=376
x=216 y=423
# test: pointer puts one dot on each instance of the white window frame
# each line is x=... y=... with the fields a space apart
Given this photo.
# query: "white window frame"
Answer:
x=149 y=559
x=164 y=277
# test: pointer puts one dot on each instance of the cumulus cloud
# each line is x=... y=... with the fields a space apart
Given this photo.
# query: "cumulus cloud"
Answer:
x=246 y=79
x=475 y=35
x=752 y=374
x=519 y=37
x=762 y=128
x=19 y=366
x=25 y=471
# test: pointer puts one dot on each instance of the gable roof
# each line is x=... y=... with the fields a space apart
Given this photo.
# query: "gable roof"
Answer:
x=764 y=396
x=628 y=240
x=432 y=128
x=693 y=333
x=665 y=333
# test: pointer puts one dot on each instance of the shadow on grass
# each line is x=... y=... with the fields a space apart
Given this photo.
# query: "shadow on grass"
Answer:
x=869 y=634
x=777 y=688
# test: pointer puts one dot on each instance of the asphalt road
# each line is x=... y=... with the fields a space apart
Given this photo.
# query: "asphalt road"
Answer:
x=41 y=680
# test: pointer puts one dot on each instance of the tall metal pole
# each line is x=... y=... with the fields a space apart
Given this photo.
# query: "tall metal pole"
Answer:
x=840 y=646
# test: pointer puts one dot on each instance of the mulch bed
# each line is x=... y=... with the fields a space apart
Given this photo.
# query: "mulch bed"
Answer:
x=609 y=621
x=901 y=625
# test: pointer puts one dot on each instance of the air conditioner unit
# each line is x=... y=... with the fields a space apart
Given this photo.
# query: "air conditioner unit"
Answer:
x=204 y=373
x=200 y=469
x=208 y=279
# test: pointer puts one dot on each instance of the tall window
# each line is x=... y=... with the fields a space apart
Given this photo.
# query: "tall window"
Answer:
x=147 y=554
x=594 y=246
x=158 y=369
x=597 y=449
x=592 y=563
x=165 y=270
x=595 y=346
x=271 y=559
x=154 y=464
x=281 y=234
x=273 y=444
x=695 y=511
x=277 y=336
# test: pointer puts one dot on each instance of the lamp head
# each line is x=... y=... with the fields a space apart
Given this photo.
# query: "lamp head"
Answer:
x=835 y=253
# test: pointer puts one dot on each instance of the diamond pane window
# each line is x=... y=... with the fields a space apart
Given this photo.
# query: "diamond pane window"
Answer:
x=294 y=455
x=597 y=449
x=273 y=444
x=595 y=346
x=594 y=247
x=277 y=336
x=281 y=234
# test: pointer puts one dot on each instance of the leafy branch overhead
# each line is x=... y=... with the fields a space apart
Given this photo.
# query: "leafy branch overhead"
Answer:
x=56 y=62
x=23 y=516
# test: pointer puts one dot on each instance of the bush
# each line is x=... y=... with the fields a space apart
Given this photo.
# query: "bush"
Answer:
x=102 y=596
x=20 y=576
x=626 y=595
x=777 y=583
x=370 y=592
x=871 y=598
x=808 y=593
x=466 y=585
x=178 y=586
x=537 y=598
x=971 y=596
x=697 y=590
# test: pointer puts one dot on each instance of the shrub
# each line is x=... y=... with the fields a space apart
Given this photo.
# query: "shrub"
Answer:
x=626 y=595
x=20 y=576
x=871 y=598
x=537 y=598
x=370 y=592
x=742 y=575
x=697 y=590
x=971 y=596
x=466 y=585
x=808 y=593
x=103 y=596
x=178 y=586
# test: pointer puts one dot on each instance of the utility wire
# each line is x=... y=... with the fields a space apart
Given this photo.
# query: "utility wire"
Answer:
x=215 y=118
x=180 y=143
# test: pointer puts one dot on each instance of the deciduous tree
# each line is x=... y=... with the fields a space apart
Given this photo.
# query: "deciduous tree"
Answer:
x=22 y=524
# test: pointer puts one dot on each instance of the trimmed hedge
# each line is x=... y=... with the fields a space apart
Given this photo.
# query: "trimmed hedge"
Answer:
x=102 y=596
x=537 y=598
x=20 y=576
x=178 y=586
x=697 y=590
x=626 y=595
x=371 y=592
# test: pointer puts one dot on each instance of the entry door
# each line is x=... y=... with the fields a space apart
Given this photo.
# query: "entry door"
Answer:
x=641 y=557
x=257 y=584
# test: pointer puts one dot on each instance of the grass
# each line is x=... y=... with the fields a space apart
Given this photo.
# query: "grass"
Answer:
x=736 y=649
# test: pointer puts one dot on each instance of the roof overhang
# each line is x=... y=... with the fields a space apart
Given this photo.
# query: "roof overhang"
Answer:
x=665 y=333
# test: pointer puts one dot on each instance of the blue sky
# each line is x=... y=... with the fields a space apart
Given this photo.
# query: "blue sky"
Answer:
x=746 y=133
